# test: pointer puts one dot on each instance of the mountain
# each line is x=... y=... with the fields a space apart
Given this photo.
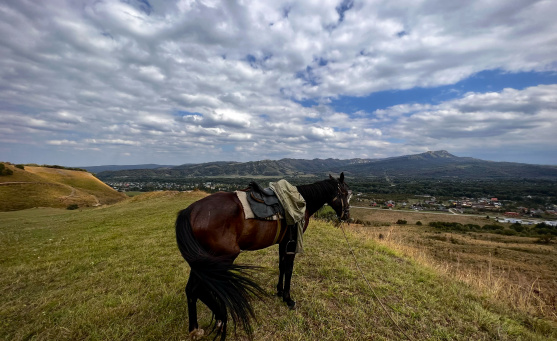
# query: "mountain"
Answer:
x=98 y=169
x=432 y=164
x=36 y=186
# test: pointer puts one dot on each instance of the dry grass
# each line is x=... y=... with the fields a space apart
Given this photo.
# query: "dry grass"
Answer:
x=380 y=216
x=508 y=269
x=50 y=187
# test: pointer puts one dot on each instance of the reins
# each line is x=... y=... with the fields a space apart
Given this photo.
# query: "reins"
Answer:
x=369 y=285
x=339 y=196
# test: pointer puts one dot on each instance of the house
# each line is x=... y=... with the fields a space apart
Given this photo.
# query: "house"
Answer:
x=390 y=203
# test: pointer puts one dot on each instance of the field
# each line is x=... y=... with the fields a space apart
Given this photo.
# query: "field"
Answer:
x=53 y=187
x=513 y=268
x=114 y=273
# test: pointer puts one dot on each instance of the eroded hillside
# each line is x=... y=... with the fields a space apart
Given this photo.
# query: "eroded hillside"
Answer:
x=35 y=186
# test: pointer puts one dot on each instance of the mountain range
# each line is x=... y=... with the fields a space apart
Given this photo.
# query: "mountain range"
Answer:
x=432 y=164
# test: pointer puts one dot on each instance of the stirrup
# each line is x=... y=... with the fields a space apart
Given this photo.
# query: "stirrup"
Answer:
x=289 y=247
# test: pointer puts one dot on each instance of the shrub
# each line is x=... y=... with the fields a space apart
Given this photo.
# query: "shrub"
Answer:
x=517 y=227
x=545 y=239
x=72 y=207
x=20 y=166
x=541 y=226
x=473 y=227
x=507 y=232
x=442 y=225
x=4 y=170
x=401 y=221
x=492 y=227
x=419 y=223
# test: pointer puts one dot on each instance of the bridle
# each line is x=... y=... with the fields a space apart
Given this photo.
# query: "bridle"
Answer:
x=345 y=206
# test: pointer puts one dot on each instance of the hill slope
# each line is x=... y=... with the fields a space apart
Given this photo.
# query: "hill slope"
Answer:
x=116 y=274
x=426 y=165
x=53 y=187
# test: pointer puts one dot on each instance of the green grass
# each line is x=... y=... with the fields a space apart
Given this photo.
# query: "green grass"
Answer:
x=115 y=273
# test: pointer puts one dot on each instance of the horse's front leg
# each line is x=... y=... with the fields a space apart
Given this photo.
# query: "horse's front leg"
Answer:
x=280 y=285
x=288 y=269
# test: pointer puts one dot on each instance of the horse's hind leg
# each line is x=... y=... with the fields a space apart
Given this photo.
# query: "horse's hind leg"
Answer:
x=218 y=310
x=192 y=289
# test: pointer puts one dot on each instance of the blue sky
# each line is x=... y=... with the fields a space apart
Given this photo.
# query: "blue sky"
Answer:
x=172 y=82
x=484 y=81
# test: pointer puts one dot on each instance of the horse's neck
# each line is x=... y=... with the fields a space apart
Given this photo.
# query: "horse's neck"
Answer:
x=315 y=195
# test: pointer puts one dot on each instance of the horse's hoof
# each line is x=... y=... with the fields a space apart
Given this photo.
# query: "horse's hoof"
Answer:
x=291 y=304
x=197 y=334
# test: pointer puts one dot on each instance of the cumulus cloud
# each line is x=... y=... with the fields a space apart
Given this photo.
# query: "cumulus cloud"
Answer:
x=509 y=119
x=192 y=78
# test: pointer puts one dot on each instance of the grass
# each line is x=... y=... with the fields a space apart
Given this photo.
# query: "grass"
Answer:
x=515 y=269
x=53 y=187
x=114 y=273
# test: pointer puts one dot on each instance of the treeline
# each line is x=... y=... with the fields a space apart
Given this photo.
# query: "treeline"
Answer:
x=503 y=189
x=527 y=192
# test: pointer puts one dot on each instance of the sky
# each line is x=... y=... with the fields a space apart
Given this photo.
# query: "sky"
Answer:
x=98 y=82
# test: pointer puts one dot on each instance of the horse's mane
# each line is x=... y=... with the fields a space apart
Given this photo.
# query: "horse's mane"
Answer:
x=318 y=193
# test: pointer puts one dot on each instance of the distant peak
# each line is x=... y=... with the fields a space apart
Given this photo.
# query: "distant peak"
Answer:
x=439 y=153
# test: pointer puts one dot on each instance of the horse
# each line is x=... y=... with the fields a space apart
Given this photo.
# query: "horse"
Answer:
x=212 y=232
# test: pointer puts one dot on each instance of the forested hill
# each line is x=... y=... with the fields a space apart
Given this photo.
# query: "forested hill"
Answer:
x=433 y=164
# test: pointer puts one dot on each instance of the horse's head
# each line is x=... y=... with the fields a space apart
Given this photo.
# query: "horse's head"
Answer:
x=341 y=201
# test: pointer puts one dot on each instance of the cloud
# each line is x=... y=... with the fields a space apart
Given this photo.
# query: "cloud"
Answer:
x=505 y=119
x=188 y=77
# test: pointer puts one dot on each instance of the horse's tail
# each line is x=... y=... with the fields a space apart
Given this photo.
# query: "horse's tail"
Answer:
x=226 y=282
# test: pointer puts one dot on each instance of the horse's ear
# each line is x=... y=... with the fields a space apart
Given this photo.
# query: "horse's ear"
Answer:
x=331 y=177
x=341 y=177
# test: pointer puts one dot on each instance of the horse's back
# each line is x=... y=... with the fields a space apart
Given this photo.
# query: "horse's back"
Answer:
x=215 y=221
x=219 y=223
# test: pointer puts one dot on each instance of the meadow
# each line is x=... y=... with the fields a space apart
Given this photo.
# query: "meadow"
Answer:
x=115 y=273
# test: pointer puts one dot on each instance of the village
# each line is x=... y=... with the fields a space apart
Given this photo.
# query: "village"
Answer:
x=502 y=211
x=149 y=186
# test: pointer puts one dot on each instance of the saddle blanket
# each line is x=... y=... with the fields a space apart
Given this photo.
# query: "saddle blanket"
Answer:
x=248 y=213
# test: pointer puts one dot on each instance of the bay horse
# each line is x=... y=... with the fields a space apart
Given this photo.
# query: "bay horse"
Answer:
x=213 y=231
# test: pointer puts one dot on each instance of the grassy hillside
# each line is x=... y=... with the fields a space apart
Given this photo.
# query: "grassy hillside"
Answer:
x=521 y=270
x=52 y=187
x=115 y=273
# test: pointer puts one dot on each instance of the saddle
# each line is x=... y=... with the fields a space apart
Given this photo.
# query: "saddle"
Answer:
x=263 y=201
